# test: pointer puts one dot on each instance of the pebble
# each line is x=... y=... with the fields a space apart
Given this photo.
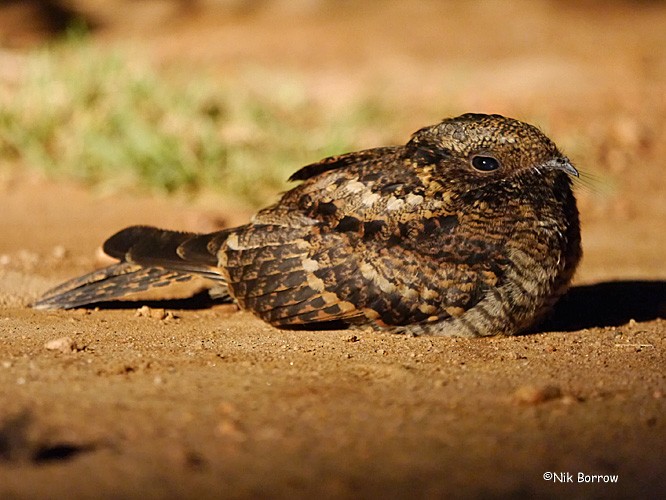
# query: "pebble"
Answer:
x=63 y=344
x=533 y=395
x=59 y=252
x=569 y=400
x=156 y=313
x=229 y=428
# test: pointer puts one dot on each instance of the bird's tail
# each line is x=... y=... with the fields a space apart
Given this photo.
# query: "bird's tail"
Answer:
x=149 y=258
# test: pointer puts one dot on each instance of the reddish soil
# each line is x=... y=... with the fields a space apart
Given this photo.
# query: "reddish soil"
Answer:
x=203 y=402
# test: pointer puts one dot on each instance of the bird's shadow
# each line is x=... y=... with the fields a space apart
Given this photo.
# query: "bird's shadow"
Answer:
x=610 y=303
x=199 y=301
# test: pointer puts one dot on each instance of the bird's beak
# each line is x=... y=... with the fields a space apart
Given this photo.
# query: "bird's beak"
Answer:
x=562 y=163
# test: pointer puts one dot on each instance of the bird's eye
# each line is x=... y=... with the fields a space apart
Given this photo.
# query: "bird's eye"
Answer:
x=485 y=163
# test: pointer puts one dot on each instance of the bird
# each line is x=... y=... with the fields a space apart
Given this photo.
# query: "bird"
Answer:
x=470 y=229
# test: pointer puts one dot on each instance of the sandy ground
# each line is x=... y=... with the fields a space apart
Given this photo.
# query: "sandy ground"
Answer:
x=185 y=399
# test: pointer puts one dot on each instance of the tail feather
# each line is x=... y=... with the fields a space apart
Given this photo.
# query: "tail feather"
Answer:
x=145 y=241
x=150 y=258
x=203 y=248
x=106 y=284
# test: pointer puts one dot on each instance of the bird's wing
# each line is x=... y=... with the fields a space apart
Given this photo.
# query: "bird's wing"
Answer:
x=348 y=245
x=313 y=277
x=340 y=161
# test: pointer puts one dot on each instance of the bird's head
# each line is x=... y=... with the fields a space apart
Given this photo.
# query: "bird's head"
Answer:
x=477 y=150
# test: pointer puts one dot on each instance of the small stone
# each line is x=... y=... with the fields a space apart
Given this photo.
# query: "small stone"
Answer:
x=231 y=429
x=143 y=311
x=352 y=338
x=148 y=312
x=533 y=395
x=63 y=344
x=568 y=400
x=158 y=313
x=59 y=252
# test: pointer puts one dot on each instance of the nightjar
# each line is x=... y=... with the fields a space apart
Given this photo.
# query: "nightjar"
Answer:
x=470 y=229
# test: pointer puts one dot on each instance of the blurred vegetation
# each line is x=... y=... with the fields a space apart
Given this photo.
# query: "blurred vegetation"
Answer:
x=77 y=112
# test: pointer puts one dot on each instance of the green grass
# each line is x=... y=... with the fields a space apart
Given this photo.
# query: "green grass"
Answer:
x=75 y=111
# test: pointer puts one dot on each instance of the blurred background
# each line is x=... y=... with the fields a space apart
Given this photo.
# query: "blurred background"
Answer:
x=223 y=99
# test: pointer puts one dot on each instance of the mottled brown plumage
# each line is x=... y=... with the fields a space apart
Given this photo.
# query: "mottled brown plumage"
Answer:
x=469 y=229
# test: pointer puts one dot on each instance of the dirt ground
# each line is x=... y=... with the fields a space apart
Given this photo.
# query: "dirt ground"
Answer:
x=185 y=399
